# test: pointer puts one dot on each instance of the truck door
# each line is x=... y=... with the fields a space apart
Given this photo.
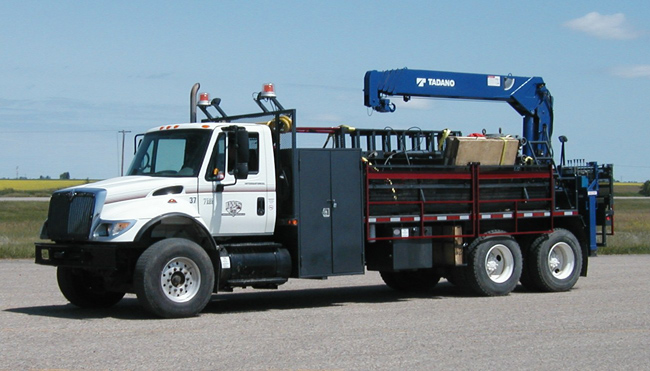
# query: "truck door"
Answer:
x=233 y=206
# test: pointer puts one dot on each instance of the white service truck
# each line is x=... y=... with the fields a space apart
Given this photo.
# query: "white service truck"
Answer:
x=232 y=201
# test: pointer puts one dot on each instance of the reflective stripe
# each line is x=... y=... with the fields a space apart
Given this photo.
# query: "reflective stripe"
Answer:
x=446 y=217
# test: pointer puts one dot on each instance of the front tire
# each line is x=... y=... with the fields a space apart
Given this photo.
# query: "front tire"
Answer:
x=85 y=289
x=174 y=278
x=494 y=265
x=555 y=262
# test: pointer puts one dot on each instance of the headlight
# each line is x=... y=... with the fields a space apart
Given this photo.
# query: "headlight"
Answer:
x=113 y=228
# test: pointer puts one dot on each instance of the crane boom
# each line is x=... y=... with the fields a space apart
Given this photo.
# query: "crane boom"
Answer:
x=527 y=95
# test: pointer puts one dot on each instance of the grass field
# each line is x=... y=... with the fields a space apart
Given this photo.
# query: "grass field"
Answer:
x=36 y=187
x=627 y=189
x=631 y=227
x=20 y=224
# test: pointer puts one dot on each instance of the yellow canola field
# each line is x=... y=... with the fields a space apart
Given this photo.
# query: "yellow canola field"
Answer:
x=39 y=184
x=628 y=184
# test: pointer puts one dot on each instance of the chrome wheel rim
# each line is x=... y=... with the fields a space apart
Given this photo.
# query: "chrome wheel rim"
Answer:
x=561 y=260
x=499 y=263
x=180 y=279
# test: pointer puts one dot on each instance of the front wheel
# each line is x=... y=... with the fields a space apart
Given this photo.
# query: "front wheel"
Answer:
x=85 y=289
x=555 y=261
x=494 y=265
x=174 y=278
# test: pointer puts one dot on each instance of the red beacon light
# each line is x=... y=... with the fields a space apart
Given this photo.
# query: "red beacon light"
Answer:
x=204 y=99
x=268 y=91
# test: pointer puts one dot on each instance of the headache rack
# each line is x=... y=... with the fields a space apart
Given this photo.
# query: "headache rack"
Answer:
x=413 y=142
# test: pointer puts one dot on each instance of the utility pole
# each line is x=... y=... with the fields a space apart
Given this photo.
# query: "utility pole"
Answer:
x=123 y=138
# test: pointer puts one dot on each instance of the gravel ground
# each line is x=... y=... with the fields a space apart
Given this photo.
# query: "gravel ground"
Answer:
x=346 y=323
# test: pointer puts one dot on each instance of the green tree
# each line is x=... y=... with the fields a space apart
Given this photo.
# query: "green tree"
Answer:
x=645 y=188
x=65 y=175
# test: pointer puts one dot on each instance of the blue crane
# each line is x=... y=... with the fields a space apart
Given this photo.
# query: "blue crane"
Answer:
x=527 y=95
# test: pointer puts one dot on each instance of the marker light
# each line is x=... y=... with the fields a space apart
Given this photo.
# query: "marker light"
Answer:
x=204 y=99
x=268 y=91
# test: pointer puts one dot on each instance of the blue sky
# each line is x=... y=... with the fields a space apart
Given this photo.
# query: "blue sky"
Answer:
x=74 y=73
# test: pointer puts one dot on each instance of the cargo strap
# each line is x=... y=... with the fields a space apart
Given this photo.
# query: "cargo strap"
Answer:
x=503 y=150
x=443 y=138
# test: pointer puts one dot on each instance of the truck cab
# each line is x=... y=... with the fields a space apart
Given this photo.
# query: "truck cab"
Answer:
x=206 y=184
x=227 y=183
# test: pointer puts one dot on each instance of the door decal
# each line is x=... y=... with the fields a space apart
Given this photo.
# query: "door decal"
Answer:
x=233 y=208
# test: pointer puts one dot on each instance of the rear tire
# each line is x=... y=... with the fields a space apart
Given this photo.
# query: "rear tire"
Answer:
x=85 y=289
x=555 y=262
x=419 y=280
x=494 y=265
x=174 y=278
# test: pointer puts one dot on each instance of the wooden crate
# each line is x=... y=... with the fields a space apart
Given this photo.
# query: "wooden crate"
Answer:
x=487 y=151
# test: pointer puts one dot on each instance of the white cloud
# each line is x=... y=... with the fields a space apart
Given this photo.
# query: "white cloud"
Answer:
x=631 y=72
x=613 y=27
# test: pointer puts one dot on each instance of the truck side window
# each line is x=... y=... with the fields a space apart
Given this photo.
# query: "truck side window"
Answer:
x=254 y=153
x=218 y=159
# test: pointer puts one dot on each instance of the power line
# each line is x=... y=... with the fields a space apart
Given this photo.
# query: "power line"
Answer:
x=54 y=131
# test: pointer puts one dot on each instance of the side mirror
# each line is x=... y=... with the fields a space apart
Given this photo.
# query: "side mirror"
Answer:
x=242 y=153
x=137 y=140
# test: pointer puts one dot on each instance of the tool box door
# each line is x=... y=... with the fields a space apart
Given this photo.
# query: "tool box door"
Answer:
x=330 y=212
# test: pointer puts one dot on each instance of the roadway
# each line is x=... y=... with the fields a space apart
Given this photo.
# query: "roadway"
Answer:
x=348 y=323
x=23 y=199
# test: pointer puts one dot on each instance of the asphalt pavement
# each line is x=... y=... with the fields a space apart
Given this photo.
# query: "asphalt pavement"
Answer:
x=343 y=323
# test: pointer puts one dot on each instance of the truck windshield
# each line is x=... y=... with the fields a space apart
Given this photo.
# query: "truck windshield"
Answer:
x=173 y=153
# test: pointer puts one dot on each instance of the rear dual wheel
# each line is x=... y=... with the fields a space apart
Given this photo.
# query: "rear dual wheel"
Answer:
x=554 y=262
x=494 y=265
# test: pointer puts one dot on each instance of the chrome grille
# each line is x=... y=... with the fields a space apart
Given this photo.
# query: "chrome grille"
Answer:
x=70 y=215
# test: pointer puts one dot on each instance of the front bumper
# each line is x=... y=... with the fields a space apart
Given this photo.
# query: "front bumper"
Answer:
x=85 y=255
